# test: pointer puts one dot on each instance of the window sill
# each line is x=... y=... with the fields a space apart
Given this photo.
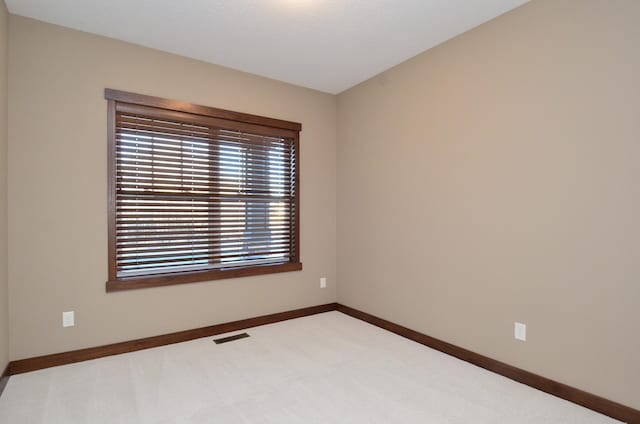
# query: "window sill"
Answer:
x=132 y=283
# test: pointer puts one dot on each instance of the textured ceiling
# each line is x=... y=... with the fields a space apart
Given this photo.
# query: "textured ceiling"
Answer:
x=328 y=45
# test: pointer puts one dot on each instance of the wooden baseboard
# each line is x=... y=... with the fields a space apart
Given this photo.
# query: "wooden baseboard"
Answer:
x=588 y=400
x=4 y=378
x=47 y=361
x=582 y=398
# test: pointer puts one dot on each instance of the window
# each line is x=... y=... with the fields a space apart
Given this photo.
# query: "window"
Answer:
x=198 y=193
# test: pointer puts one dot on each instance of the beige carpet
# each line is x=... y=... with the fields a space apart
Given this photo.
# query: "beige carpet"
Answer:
x=327 y=368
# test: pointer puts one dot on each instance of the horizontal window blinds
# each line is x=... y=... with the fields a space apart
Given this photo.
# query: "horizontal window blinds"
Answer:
x=197 y=193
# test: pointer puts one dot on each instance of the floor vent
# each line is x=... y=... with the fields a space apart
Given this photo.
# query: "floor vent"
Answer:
x=231 y=338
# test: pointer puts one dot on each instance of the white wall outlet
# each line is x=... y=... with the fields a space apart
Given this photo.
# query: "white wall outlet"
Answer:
x=68 y=319
x=323 y=283
x=520 y=331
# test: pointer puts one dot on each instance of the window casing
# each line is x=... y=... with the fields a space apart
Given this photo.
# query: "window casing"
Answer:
x=198 y=193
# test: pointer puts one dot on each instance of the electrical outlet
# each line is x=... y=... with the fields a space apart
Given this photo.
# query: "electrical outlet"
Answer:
x=68 y=319
x=323 y=283
x=520 y=331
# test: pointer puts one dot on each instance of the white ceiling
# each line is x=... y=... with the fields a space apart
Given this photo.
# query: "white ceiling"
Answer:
x=328 y=45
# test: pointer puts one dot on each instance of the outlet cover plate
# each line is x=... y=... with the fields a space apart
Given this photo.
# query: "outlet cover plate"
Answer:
x=68 y=319
x=520 y=331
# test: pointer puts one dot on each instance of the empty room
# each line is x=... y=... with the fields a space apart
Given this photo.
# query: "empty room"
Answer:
x=320 y=211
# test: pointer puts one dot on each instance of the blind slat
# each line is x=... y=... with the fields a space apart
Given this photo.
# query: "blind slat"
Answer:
x=186 y=259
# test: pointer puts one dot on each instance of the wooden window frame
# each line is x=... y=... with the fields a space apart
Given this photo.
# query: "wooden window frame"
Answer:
x=240 y=121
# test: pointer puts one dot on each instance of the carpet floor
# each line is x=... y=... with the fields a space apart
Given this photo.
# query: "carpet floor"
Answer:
x=327 y=368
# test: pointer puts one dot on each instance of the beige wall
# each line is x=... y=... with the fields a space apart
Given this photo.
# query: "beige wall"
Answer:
x=489 y=180
x=495 y=179
x=57 y=191
x=4 y=306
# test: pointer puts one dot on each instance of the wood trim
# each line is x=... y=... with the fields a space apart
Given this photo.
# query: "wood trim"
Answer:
x=596 y=403
x=563 y=391
x=140 y=99
x=4 y=379
x=133 y=283
x=111 y=187
x=48 y=361
x=118 y=101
